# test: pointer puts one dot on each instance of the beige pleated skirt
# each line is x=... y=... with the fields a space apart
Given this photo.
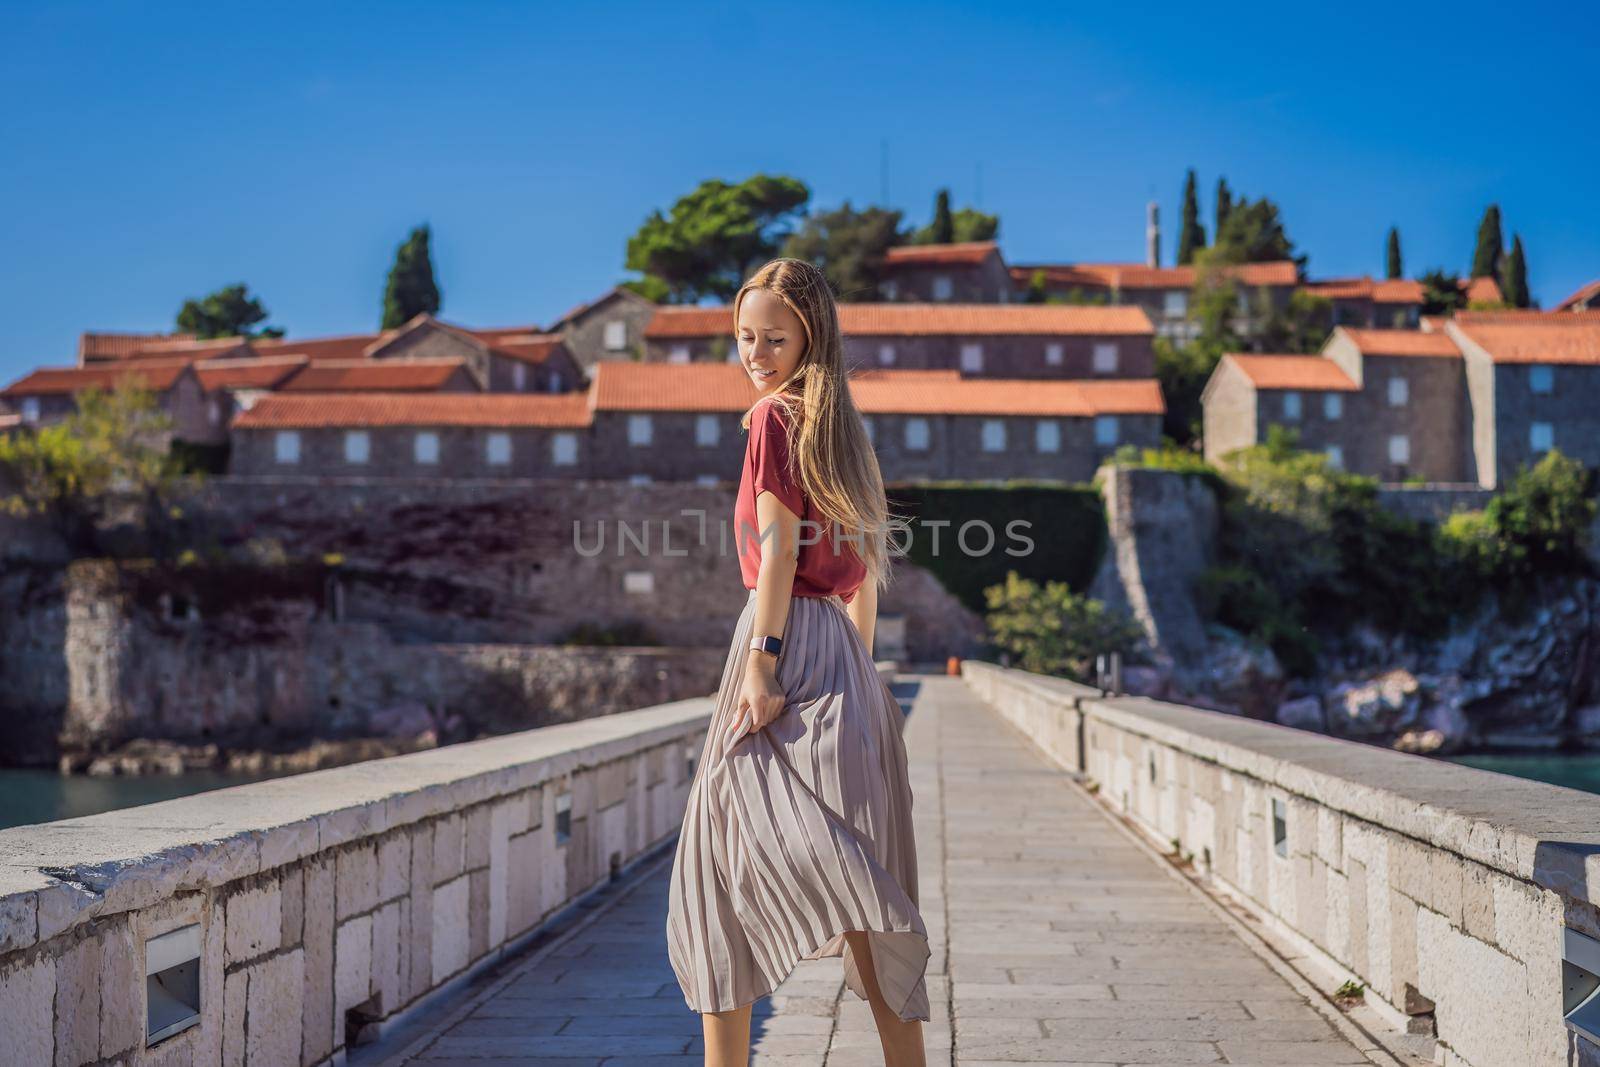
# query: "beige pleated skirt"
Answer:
x=801 y=832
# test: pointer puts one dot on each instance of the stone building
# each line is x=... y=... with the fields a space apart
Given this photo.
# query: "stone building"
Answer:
x=662 y=422
x=978 y=340
x=50 y=394
x=1587 y=298
x=971 y=272
x=608 y=328
x=1391 y=303
x=1163 y=292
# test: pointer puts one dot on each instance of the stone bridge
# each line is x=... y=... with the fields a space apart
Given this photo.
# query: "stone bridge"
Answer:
x=1106 y=881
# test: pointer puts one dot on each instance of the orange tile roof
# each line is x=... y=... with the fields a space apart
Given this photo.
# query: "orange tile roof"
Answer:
x=1292 y=372
x=961 y=253
x=887 y=392
x=1584 y=295
x=374 y=375
x=924 y=320
x=1383 y=291
x=157 y=376
x=1403 y=343
x=1139 y=276
x=261 y=372
x=317 y=349
x=97 y=345
x=310 y=411
x=527 y=347
x=628 y=386
x=1568 y=339
x=1481 y=290
x=215 y=348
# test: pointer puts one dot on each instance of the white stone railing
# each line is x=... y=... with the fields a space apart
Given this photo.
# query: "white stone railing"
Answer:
x=318 y=906
x=1453 y=894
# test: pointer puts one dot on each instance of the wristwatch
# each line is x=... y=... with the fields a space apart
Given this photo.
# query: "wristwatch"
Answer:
x=766 y=643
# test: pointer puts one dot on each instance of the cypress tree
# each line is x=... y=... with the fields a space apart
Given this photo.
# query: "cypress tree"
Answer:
x=1191 y=235
x=411 y=289
x=943 y=230
x=1224 y=203
x=1392 y=257
x=1486 y=256
x=1514 y=276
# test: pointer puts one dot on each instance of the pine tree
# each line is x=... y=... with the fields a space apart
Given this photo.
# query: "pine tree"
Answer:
x=1392 y=256
x=1514 y=276
x=1224 y=203
x=1486 y=256
x=1191 y=235
x=411 y=289
x=943 y=230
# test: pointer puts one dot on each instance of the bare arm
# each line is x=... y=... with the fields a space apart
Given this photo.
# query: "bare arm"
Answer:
x=863 y=611
x=761 y=698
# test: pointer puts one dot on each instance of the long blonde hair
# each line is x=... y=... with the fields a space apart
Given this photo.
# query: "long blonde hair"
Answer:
x=837 y=467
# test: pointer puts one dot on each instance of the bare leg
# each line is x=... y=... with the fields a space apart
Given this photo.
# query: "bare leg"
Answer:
x=902 y=1040
x=727 y=1037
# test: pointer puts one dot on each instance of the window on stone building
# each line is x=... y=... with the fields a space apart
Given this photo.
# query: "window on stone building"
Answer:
x=1291 y=406
x=425 y=447
x=641 y=430
x=1047 y=435
x=1542 y=436
x=1541 y=378
x=1106 y=430
x=1175 y=304
x=357 y=446
x=519 y=377
x=30 y=409
x=1335 y=456
x=917 y=435
x=286 y=446
x=616 y=335
x=1399 y=448
x=564 y=449
x=552 y=384
x=707 y=431
x=1105 y=358
x=1399 y=392
x=639 y=583
x=1055 y=354
x=639 y=479
x=890 y=290
x=994 y=435
x=972 y=359
x=214 y=412
x=1332 y=406
x=707 y=479
x=497 y=449
x=886 y=355
x=679 y=354
x=943 y=288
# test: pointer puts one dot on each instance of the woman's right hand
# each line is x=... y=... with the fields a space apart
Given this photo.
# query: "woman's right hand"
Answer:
x=761 y=698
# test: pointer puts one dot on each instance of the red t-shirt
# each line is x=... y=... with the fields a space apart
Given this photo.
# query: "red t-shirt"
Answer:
x=822 y=569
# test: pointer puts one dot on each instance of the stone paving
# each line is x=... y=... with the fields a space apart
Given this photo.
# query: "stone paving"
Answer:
x=1056 y=940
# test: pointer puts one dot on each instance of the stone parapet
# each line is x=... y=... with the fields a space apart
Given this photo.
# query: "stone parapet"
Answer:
x=324 y=902
x=1447 y=891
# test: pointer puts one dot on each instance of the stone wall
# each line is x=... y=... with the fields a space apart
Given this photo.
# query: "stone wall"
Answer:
x=326 y=902
x=1447 y=891
x=1435 y=502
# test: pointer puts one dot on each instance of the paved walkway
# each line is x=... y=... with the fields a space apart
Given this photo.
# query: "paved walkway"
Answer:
x=1056 y=941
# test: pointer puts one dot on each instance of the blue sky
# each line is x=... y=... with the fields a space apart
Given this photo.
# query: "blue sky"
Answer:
x=155 y=152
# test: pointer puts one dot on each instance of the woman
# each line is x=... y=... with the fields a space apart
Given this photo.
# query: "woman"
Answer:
x=797 y=841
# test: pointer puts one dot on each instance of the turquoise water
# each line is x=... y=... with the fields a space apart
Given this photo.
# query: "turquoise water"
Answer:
x=31 y=796
x=1576 y=771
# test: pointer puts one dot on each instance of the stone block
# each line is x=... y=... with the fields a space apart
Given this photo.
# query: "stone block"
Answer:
x=292 y=885
x=1411 y=869
x=450 y=938
x=1527 y=920
x=522 y=882
x=478 y=913
x=1477 y=903
x=419 y=952
x=521 y=812
x=611 y=783
x=234 y=1010
x=275 y=1001
x=386 y=956
x=283 y=845
x=1403 y=947
x=78 y=1004
x=19 y=921
x=27 y=995
x=449 y=837
x=1445 y=895
x=1455 y=971
x=318 y=941
x=356 y=880
x=535 y=807
x=352 y=969
x=1330 y=837
x=1357 y=875
x=500 y=819
x=394 y=865
x=1337 y=934
x=254 y=922
x=477 y=837
x=122 y=1008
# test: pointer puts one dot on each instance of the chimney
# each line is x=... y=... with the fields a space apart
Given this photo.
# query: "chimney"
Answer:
x=1152 y=235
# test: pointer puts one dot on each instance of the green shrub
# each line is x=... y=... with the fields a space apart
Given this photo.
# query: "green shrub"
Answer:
x=1050 y=629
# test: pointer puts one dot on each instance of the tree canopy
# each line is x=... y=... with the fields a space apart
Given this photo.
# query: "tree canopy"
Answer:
x=714 y=237
x=1391 y=254
x=1486 y=254
x=849 y=245
x=965 y=224
x=1191 y=235
x=1253 y=233
x=229 y=312
x=1514 y=276
x=1441 y=292
x=1224 y=206
x=411 y=289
